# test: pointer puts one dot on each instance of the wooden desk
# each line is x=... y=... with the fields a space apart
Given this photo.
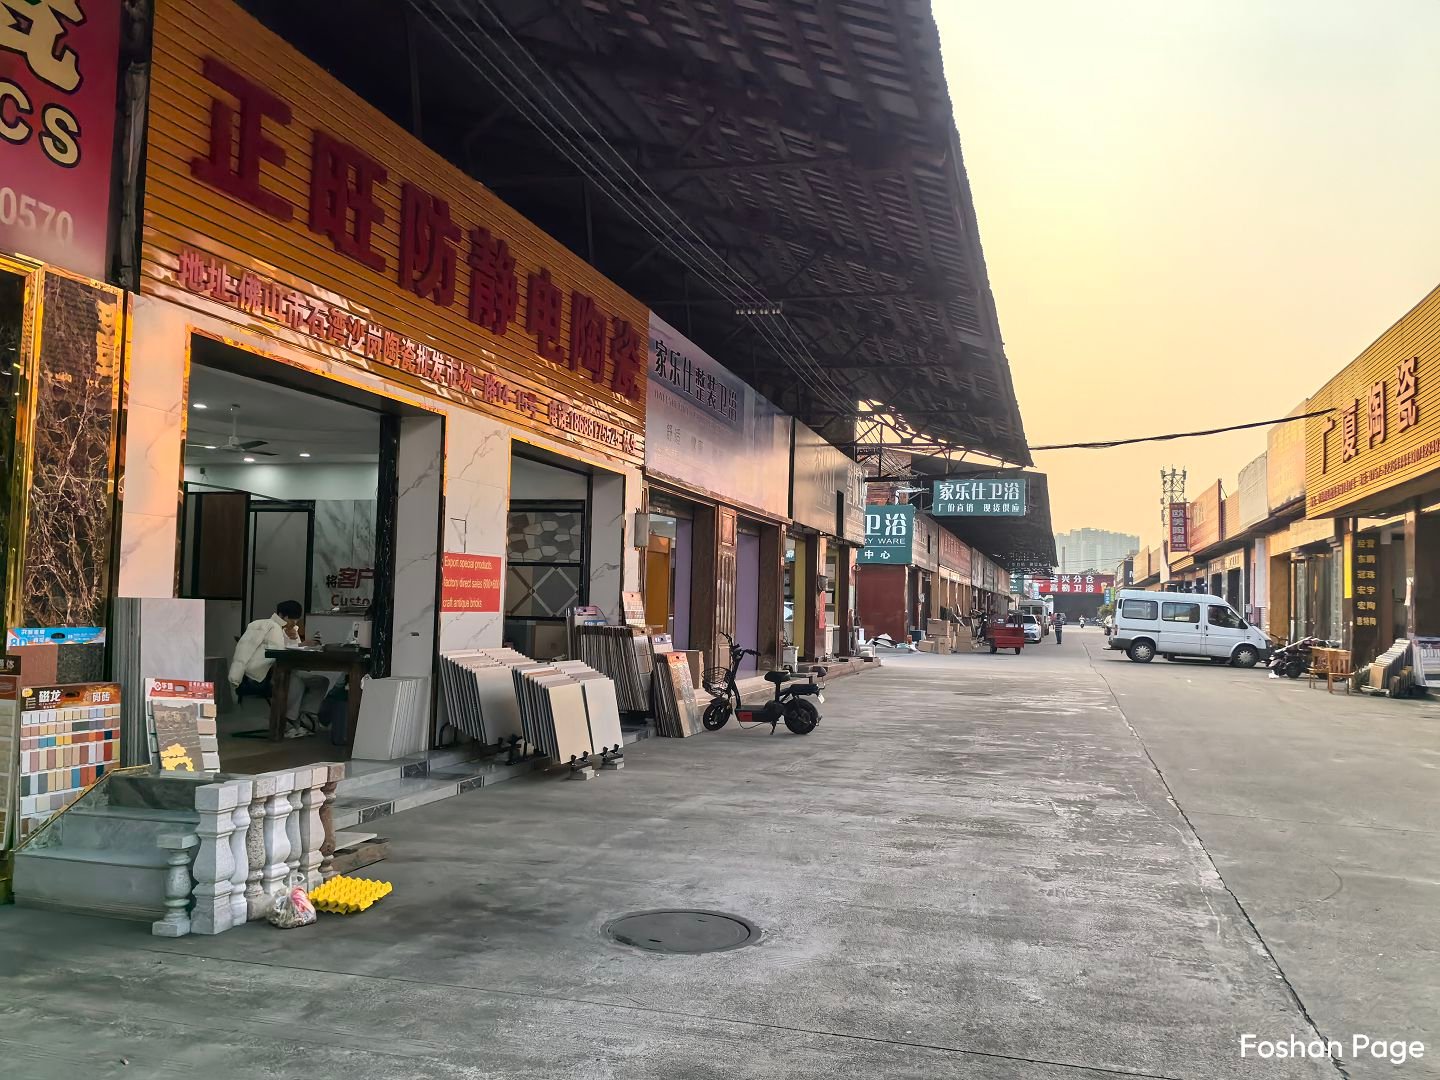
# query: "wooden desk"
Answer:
x=353 y=662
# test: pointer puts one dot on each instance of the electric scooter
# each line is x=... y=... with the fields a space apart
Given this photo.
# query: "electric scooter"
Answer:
x=791 y=701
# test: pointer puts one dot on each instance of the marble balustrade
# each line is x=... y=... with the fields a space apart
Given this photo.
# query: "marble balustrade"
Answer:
x=254 y=832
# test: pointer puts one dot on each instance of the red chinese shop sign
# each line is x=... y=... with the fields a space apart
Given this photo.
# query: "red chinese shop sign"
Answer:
x=274 y=190
x=260 y=296
x=470 y=582
x=1088 y=584
x=58 y=63
x=1179 y=519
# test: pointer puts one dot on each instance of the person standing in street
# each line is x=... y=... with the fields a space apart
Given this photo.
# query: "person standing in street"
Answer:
x=1059 y=628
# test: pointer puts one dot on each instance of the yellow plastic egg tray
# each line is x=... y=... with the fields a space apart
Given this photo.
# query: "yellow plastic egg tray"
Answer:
x=347 y=895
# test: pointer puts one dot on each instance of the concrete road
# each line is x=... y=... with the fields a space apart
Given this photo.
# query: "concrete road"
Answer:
x=1322 y=813
x=972 y=868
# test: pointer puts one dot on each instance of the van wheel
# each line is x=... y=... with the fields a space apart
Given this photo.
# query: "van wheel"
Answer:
x=1142 y=652
x=1246 y=656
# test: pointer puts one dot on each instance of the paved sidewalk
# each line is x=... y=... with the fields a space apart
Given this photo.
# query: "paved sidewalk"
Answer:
x=970 y=869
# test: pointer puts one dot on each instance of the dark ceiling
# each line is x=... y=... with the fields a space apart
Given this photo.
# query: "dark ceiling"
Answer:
x=805 y=147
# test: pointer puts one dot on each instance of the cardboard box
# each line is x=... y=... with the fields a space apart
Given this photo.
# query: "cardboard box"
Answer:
x=943 y=648
x=926 y=645
x=936 y=628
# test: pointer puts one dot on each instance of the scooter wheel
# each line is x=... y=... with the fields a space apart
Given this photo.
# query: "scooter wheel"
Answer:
x=801 y=717
x=717 y=715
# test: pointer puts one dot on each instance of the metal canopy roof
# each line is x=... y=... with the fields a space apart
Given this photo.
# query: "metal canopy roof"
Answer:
x=809 y=143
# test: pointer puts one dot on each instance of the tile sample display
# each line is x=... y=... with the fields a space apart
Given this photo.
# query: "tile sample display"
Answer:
x=69 y=738
x=9 y=748
x=180 y=725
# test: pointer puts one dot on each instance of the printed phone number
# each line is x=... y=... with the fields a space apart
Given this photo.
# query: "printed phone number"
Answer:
x=30 y=213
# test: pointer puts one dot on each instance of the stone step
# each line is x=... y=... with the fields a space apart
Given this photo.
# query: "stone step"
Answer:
x=107 y=827
x=120 y=883
x=360 y=773
x=389 y=788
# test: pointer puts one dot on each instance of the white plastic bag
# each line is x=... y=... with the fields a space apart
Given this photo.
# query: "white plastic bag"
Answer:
x=292 y=907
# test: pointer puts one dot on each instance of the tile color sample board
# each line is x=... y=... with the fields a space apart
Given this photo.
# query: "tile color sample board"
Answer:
x=180 y=725
x=9 y=750
x=69 y=738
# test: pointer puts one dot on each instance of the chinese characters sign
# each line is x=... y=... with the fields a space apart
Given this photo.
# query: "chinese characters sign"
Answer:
x=1088 y=584
x=470 y=582
x=1366 y=573
x=1179 y=517
x=58 y=61
x=979 y=498
x=251 y=293
x=889 y=535
x=706 y=429
x=1382 y=427
x=275 y=191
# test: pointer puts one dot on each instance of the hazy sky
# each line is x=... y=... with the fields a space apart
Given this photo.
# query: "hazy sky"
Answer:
x=1194 y=212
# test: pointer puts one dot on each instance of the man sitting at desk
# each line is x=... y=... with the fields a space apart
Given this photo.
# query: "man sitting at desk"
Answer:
x=250 y=668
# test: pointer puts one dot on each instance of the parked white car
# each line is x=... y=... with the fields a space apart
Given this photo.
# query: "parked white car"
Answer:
x=1184 y=624
x=1033 y=630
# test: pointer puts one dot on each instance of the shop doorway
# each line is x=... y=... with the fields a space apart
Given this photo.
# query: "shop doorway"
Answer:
x=565 y=536
x=669 y=557
x=293 y=495
x=747 y=592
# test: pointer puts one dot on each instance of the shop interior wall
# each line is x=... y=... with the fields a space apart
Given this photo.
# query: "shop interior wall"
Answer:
x=536 y=480
x=609 y=547
x=324 y=481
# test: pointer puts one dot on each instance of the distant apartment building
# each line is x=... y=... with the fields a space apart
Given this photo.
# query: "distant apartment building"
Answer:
x=1092 y=549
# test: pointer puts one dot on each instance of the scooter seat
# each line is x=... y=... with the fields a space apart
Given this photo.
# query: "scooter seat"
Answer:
x=778 y=677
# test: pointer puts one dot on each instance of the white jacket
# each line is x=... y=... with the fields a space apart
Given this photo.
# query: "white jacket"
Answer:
x=260 y=635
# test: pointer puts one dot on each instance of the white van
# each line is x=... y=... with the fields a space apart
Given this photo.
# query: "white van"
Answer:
x=1184 y=624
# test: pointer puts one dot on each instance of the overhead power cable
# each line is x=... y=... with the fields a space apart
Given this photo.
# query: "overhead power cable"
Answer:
x=703 y=259
x=1179 y=434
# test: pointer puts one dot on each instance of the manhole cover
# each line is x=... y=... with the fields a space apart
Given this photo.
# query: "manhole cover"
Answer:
x=683 y=931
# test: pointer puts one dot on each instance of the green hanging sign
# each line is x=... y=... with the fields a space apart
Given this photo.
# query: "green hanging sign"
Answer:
x=889 y=535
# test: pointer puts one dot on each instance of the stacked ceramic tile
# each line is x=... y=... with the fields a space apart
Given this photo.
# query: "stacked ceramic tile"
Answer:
x=478 y=693
x=564 y=709
x=180 y=725
x=625 y=655
x=677 y=707
x=393 y=721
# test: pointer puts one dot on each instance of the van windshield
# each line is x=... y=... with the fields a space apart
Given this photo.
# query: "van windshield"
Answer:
x=1224 y=617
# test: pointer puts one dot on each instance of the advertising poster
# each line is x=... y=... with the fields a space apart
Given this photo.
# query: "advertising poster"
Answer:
x=58 y=74
x=708 y=430
x=470 y=582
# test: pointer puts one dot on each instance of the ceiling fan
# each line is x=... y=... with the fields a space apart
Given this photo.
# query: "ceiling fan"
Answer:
x=233 y=443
